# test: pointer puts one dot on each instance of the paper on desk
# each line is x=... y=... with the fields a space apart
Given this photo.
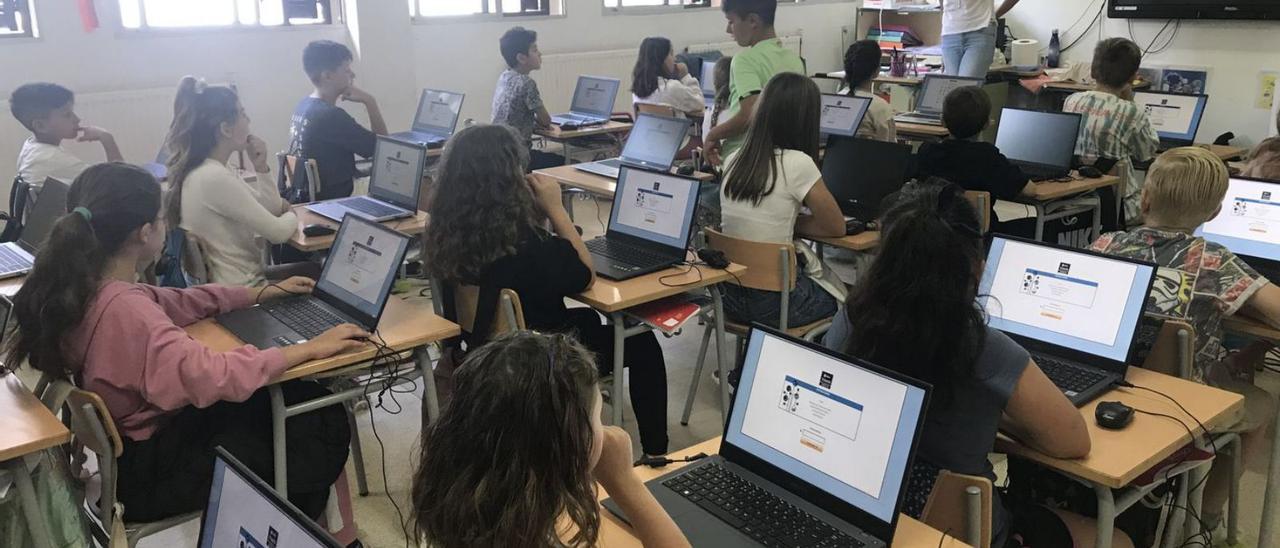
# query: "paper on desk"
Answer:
x=1011 y=211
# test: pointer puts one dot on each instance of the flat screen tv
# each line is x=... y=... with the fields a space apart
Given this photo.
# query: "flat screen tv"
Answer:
x=1194 y=9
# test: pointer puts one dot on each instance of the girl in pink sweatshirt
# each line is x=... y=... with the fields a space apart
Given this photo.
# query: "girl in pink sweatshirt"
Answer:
x=82 y=315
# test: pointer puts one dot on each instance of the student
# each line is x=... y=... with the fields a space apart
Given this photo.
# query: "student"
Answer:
x=1201 y=282
x=766 y=183
x=209 y=199
x=48 y=112
x=658 y=79
x=82 y=316
x=861 y=66
x=321 y=131
x=521 y=446
x=1114 y=126
x=720 y=79
x=486 y=229
x=1264 y=161
x=517 y=103
x=916 y=312
x=750 y=22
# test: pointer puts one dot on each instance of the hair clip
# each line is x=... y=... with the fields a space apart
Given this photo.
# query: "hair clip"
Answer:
x=200 y=86
x=84 y=212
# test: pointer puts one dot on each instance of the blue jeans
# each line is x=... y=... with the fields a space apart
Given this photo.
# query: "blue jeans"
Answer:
x=969 y=53
x=807 y=303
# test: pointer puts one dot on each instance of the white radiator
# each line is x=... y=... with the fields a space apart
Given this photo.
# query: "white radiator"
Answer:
x=792 y=42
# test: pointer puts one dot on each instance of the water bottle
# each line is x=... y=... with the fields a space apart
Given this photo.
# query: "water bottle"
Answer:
x=1055 y=51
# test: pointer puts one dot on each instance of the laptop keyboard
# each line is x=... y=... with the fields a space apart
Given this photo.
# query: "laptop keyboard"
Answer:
x=1072 y=379
x=626 y=253
x=305 y=316
x=12 y=261
x=371 y=208
x=755 y=512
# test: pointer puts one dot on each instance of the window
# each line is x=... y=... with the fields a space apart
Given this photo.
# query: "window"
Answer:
x=140 y=14
x=639 y=3
x=16 y=19
x=444 y=8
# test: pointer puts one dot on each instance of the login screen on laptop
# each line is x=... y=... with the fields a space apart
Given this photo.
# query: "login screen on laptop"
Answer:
x=841 y=114
x=1249 y=222
x=1173 y=116
x=653 y=206
x=936 y=89
x=438 y=111
x=594 y=95
x=654 y=141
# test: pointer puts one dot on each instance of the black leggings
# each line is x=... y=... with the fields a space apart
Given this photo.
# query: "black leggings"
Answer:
x=170 y=473
x=648 y=386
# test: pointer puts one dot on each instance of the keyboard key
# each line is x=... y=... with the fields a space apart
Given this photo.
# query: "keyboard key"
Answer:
x=1071 y=379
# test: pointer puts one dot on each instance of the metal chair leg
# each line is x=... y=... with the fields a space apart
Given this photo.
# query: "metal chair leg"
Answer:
x=357 y=453
x=697 y=374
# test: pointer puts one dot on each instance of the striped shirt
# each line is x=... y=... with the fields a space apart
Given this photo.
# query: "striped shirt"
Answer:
x=1115 y=128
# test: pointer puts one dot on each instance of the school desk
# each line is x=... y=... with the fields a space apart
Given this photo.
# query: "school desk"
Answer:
x=910 y=532
x=1225 y=152
x=29 y=428
x=412 y=226
x=921 y=132
x=1244 y=325
x=1048 y=193
x=406 y=325
x=566 y=136
x=858 y=242
x=1118 y=457
x=572 y=178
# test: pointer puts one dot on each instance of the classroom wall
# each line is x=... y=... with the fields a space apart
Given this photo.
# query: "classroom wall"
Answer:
x=1234 y=52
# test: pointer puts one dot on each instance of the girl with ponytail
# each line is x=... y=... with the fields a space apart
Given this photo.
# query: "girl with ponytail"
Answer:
x=82 y=316
x=210 y=200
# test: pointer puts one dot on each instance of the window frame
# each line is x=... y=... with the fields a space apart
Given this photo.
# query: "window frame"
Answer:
x=704 y=4
x=486 y=14
x=29 y=29
x=333 y=17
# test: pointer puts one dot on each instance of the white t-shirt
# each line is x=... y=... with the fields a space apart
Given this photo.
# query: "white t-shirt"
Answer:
x=684 y=95
x=774 y=219
x=966 y=15
x=38 y=161
x=230 y=214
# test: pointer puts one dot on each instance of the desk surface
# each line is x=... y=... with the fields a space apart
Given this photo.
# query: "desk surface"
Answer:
x=614 y=533
x=413 y=226
x=556 y=134
x=1052 y=191
x=1067 y=86
x=29 y=426
x=405 y=324
x=612 y=296
x=921 y=130
x=1120 y=456
x=1240 y=323
x=596 y=184
x=10 y=286
x=1226 y=152
x=860 y=242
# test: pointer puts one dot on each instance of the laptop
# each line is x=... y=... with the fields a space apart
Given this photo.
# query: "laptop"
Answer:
x=1249 y=224
x=816 y=453
x=244 y=511
x=592 y=103
x=1075 y=311
x=437 y=116
x=17 y=258
x=708 y=82
x=933 y=92
x=394 y=185
x=649 y=226
x=1042 y=144
x=353 y=288
x=842 y=114
x=653 y=144
x=1175 y=116
x=860 y=173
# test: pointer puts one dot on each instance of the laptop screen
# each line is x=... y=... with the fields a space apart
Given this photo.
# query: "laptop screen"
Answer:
x=1174 y=116
x=595 y=95
x=1071 y=299
x=362 y=264
x=243 y=511
x=841 y=114
x=654 y=141
x=1039 y=138
x=397 y=172
x=438 y=111
x=654 y=206
x=49 y=207
x=1249 y=223
x=935 y=88
x=843 y=428
x=708 y=78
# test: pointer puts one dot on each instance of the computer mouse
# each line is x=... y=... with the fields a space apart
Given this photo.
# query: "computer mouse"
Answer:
x=1113 y=415
x=315 y=230
x=853 y=227
x=1089 y=172
x=685 y=170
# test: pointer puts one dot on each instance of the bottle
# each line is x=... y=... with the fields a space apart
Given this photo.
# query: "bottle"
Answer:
x=1055 y=51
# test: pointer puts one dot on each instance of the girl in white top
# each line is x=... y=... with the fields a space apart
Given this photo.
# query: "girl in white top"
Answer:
x=659 y=80
x=210 y=200
x=861 y=66
x=721 y=102
x=766 y=184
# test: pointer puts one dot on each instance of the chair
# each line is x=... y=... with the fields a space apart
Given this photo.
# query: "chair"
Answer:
x=508 y=317
x=660 y=110
x=19 y=198
x=961 y=503
x=981 y=201
x=289 y=164
x=770 y=267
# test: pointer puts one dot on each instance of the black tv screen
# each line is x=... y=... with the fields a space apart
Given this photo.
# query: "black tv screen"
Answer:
x=1194 y=9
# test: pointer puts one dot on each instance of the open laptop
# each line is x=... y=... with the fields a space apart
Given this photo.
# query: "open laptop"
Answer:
x=1249 y=224
x=842 y=114
x=592 y=103
x=17 y=258
x=353 y=288
x=1042 y=144
x=244 y=511
x=394 y=185
x=933 y=92
x=708 y=82
x=1075 y=311
x=816 y=453
x=1175 y=116
x=652 y=144
x=649 y=226
x=860 y=173
x=437 y=116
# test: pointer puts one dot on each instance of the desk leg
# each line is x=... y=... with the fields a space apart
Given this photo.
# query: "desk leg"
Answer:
x=1039 y=221
x=1233 y=498
x=717 y=307
x=36 y=523
x=1106 y=515
x=1267 y=534
x=1195 y=499
x=619 y=339
x=568 y=152
x=1097 y=218
x=566 y=198
x=279 y=452
x=430 y=399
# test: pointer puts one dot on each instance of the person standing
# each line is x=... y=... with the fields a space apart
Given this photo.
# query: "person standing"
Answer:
x=969 y=35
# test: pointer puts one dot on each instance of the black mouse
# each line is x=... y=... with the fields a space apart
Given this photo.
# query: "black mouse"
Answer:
x=1113 y=415
x=317 y=230
x=685 y=170
x=1090 y=172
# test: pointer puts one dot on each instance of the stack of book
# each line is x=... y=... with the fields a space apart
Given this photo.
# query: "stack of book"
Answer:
x=893 y=37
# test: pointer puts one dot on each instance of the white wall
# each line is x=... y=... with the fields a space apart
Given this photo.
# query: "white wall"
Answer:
x=1234 y=51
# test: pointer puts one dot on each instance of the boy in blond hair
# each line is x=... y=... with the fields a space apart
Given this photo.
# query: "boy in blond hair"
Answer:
x=1202 y=282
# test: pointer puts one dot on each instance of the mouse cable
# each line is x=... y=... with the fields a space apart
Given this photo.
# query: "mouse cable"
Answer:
x=1208 y=436
x=655 y=462
x=258 y=299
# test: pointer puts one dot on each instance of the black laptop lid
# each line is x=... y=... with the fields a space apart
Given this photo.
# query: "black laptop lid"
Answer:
x=50 y=205
x=244 y=511
x=1035 y=138
x=360 y=269
x=397 y=172
x=861 y=172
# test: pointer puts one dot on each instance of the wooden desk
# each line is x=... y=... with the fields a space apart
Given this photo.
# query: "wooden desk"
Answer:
x=614 y=533
x=9 y=287
x=1053 y=191
x=29 y=428
x=1047 y=193
x=924 y=131
x=1067 y=87
x=860 y=242
x=406 y=324
x=413 y=226
x=564 y=137
x=1226 y=152
x=599 y=185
